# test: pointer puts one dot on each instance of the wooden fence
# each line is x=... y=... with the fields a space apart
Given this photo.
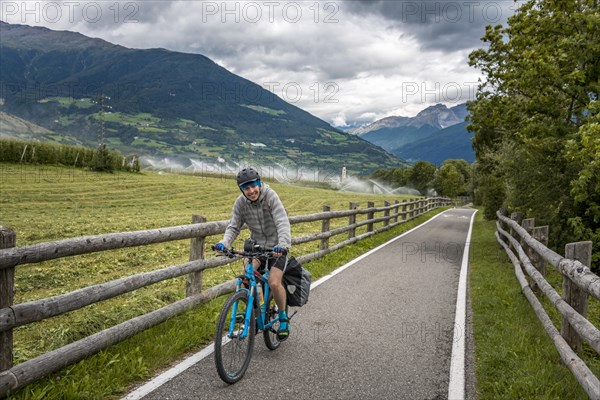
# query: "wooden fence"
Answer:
x=520 y=236
x=14 y=315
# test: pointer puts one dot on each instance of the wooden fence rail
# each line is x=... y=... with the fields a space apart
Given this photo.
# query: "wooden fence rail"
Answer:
x=14 y=315
x=579 y=283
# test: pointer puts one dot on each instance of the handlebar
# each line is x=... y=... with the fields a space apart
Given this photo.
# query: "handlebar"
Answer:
x=250 y=254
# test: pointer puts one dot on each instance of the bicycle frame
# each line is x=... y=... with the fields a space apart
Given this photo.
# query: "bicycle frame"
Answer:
x=251 y=276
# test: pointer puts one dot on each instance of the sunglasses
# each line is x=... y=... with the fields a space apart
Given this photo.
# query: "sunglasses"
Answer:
x=250 y=184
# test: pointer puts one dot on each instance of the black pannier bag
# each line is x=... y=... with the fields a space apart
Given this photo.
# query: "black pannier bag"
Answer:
x=297 y=283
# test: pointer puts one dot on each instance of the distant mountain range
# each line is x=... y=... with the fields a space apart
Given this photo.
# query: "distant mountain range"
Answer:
x=161 y=103
x=435 y=134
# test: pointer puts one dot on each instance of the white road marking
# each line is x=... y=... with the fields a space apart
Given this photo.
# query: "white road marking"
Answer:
x=456 y=387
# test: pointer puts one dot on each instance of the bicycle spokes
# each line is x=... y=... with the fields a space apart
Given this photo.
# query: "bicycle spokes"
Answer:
x=234 y=340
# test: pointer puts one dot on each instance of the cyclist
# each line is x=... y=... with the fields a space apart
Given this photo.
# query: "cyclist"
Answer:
x=261 y=209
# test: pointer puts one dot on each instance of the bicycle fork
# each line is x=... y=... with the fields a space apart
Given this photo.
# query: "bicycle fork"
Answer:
x=236 y=318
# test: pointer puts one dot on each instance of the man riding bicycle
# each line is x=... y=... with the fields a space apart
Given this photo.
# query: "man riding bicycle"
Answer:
x=261 y=209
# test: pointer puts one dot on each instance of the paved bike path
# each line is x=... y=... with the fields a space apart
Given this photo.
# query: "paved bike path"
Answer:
x=381 y=329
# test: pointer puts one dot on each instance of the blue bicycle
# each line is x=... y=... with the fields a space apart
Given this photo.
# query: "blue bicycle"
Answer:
x=244 y=314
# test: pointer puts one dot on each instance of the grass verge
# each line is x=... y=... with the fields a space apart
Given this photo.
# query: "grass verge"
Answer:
x=515 y=358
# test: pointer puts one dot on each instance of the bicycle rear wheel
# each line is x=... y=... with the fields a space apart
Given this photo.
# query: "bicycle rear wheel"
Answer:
x=233 y=352
x=270 y=334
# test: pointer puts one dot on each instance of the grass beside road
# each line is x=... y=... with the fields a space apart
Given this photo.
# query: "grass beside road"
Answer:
x=45 y=203
x=515 y=358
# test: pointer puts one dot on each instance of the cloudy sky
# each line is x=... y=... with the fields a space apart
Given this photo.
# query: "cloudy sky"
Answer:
x=347 y=62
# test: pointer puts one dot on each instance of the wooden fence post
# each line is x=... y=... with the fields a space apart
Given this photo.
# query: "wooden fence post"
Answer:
x=528 y=224
x=572 y=294
x=352 y=220
x=503 y=225
x=370 y=215
x=325 y=228
x=386 y=214
x=540 y=233
x=397 y=203
x=193 y=285
x=518 y=218
x=411 y=208
x=8 y=239
x=404 y=210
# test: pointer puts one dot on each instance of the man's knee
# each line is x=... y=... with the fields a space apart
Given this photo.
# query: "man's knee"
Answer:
x=275 y=281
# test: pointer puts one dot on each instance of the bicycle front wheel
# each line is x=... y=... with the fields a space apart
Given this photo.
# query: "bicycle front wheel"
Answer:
x=233 y=351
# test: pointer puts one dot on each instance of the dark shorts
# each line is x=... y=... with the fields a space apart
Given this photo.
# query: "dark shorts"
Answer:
x=277 y=262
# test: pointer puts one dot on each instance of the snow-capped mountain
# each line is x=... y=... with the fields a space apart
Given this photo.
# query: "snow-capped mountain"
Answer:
x=435 y=134
x=438 y=116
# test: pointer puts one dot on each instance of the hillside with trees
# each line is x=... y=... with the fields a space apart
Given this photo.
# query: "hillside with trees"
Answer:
x=163 y=104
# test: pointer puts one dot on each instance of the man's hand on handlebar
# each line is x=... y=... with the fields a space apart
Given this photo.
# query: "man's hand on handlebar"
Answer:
x=279 y=251
x=220 y=247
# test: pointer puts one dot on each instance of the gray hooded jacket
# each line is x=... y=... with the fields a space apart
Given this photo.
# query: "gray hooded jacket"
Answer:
x=266 y=218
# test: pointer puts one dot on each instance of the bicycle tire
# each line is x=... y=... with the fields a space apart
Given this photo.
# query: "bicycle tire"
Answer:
x=233 y=354
x=270 y=335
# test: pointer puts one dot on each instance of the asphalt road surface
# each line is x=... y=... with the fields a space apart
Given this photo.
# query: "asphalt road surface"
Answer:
x=380 y=329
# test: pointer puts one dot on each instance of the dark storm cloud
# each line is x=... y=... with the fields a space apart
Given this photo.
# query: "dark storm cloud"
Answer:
x=444 y=25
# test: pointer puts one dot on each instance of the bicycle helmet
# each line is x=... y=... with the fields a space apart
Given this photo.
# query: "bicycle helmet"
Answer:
x=247 y=175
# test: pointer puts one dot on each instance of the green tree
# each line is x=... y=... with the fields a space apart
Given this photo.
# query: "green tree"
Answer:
x=466 y=171
x=394 y=177
x=488 y=190
x=449 y=181
x=533 y=112
x=382 y=175
x=399 y=177
x=584 y=151
x=103 y=160
x=421 y=176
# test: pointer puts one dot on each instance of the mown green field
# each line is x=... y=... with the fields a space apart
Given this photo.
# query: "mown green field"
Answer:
x=47 y=203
